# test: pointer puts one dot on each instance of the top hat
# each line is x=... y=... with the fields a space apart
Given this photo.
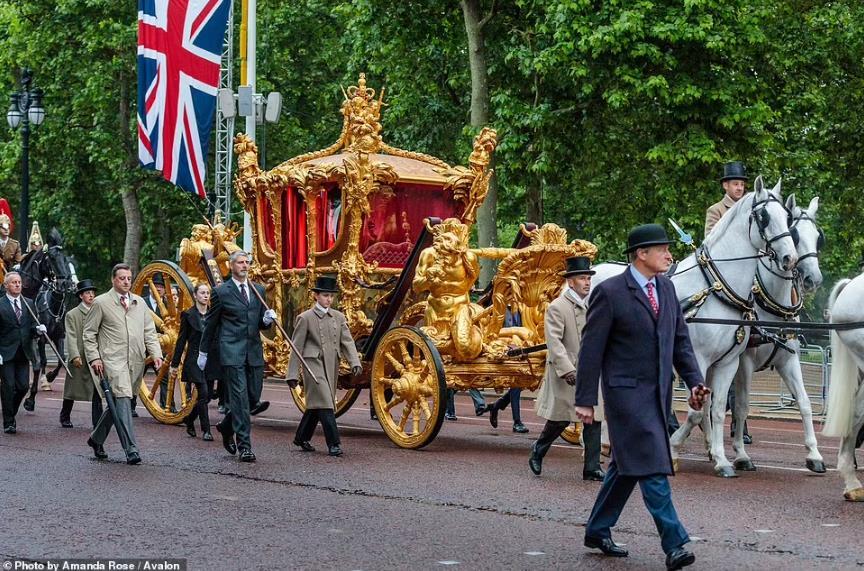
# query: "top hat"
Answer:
x=85 y=285
x=578 y=265
x=647 y=235
x=325 y=284
x=734 y=171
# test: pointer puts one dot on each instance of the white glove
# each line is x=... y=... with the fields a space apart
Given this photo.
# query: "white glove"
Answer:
x=202 y=360
x=269 y=317
x=41 y=329
x=1 y=359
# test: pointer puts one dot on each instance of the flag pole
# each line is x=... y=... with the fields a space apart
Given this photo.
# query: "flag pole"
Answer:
x=250 y=17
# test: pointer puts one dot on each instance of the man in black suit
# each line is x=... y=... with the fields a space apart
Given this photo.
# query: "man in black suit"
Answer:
x=634 y=334
x=234 y=322
x=17 y=331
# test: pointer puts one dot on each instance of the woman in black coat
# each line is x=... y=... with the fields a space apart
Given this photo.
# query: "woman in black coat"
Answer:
x=189 y=339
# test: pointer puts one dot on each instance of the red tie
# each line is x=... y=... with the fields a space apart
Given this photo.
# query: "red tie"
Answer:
x=123 y=303
x=652 y=300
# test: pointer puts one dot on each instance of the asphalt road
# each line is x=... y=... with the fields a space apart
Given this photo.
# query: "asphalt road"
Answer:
x=468 y=500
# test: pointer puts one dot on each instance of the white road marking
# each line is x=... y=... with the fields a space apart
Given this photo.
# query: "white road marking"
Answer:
x=448 y=562
x=764 y=530
x=534 y=553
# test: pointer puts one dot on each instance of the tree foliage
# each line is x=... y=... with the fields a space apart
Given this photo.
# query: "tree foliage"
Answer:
x=609 y=113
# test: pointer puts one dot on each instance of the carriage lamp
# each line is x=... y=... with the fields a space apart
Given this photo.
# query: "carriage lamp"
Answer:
x=25 y=108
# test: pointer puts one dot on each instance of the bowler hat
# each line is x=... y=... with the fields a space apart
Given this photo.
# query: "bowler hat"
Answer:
x=85 y=285
x=325 y=284
x=578 y=265
x=646 y=235
x=158 y=279
x=734 y=171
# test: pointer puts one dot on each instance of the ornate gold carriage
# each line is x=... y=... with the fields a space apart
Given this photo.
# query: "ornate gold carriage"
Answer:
x=393 y=226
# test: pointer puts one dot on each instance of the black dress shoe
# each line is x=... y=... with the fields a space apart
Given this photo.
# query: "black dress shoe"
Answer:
x=207 y=437
x=520 y=428
x=10 y=430
x=679 y=558
x=594 y=475
x=227 y=440
x=305 y=445
x=246 y=455
x=334 y=451
x=133 y=458
x=29 y=404
x=606 y=545
x=535 y=463
x=98 y=450
x=372 y=414
x=748 y=439
x=450 y=417
x=134 y=413
x=259 y=407
x=481 y=411
x=66 y=423
x=493 y=416
x=190 y=430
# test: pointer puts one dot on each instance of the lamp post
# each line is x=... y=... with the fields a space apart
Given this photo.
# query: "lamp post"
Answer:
x=25 y=108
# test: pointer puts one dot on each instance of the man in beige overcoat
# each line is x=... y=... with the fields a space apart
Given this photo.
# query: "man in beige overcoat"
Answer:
x=119 y=333
x=79 y=383
x=321 y=335
x=734 y=182
x=563 y=325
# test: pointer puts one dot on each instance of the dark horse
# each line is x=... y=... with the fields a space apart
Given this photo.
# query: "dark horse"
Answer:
x=47 y=279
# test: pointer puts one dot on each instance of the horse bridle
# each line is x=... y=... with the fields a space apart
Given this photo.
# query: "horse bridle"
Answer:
x=759 y=215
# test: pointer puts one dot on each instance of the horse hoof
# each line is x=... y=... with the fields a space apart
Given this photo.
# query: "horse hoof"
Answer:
x=29 y=405
x=725 y=472
x=817 y=466
x=745 y=465
x=856 y=495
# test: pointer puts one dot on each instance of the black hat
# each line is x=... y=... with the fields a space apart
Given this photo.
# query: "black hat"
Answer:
x=324 y=284
x=734 y=171
x=158 y=279
x=578 y=265
x=85 y=285
x=645 y=236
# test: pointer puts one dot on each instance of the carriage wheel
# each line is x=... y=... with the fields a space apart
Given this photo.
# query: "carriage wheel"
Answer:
x=344 y=399
x=408 y=387
x=572 y=433
x=168 y=328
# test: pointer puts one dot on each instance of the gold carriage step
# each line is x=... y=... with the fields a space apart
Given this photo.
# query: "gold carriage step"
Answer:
x=487 y=373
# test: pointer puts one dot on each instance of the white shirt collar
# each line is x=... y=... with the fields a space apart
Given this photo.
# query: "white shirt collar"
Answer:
x=322 y=309
x=12 y=299
x=238 y=284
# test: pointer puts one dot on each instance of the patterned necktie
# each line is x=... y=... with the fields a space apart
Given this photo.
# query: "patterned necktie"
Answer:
x=652 y=299
x=17 y=311
x=123 y=303
x=245 y=293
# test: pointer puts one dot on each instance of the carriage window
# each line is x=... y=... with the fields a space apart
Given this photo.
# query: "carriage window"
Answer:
x=329 y=218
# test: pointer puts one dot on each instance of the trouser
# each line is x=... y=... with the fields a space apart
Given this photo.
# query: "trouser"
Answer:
x=656 y=493
x=100 y=432
x=590 y=436
x=306 y=428
x=479 y=400
x=672 y=423
x=450 y=406
x=200 y=410
x=15 y=374
x=95 y=409
x=242 y=382
x=511 y=397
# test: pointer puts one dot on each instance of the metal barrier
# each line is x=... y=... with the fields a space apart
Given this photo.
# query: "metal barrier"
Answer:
x=770 y=396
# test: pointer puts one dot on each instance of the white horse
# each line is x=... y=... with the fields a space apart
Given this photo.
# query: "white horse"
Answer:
x=774 y=302
x=846 y=391
x=716 y=282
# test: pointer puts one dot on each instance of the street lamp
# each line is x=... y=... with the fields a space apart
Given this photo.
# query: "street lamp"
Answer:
x=25 y=108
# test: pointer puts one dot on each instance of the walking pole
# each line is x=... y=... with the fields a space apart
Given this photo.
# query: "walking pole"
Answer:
x=48 y=339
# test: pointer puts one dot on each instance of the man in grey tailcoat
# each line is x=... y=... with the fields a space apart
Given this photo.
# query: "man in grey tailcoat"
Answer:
x=321 y=335
x=79 y=383
x=119 y=334
x=563 y=325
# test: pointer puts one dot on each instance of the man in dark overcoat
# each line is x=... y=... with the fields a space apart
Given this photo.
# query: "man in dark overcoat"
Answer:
x=18 y=329
x=80 y=384
x=233 y=325
x=633 y=337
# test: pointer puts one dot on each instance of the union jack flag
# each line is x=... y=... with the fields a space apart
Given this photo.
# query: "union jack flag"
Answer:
x=179 y=52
